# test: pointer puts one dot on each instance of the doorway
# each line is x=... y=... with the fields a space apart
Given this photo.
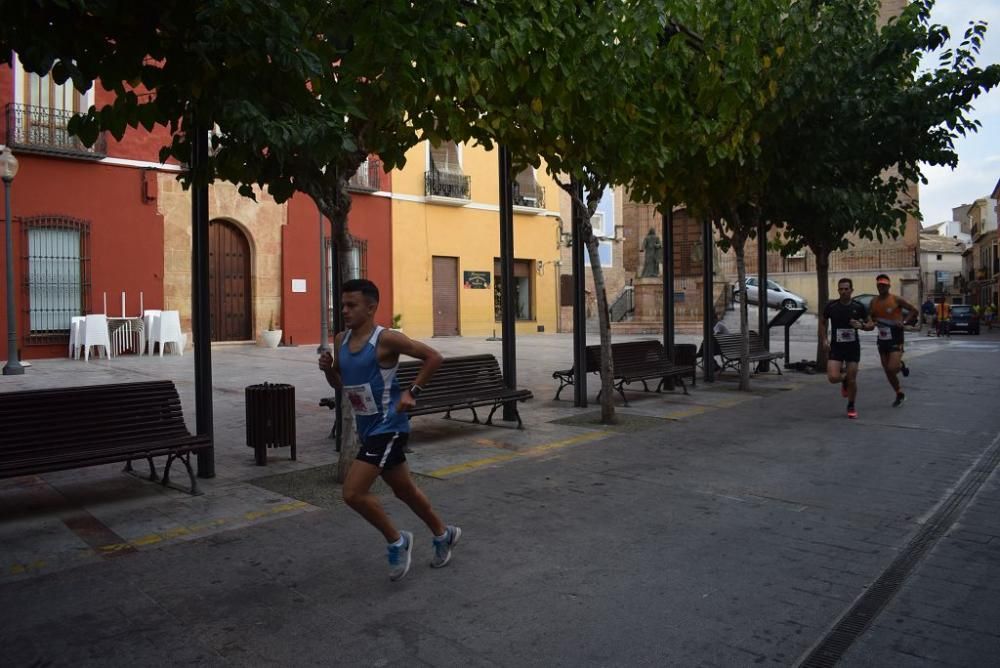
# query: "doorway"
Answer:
x=445 y=283
x=229 y=282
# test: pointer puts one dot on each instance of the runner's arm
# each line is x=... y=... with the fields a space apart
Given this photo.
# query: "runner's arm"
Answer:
x=823 y=340
x=914 y=312
x=400 y=344
x=329 y=364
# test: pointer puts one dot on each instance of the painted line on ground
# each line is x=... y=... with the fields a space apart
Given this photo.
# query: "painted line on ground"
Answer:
x=534 y=451
x=688 y=412
x=203 y=527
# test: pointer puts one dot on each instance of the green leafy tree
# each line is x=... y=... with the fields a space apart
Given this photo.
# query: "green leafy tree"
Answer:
x=721 y=132
x=568 y=90
x=299 y=93
x=849 y=161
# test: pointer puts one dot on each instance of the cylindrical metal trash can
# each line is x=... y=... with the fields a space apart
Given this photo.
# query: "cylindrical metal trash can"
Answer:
x=270 y=419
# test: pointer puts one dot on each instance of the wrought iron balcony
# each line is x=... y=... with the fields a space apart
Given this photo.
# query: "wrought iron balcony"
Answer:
x=447 y=184
x=43 y=130
x=533 y=197
x=368 y=178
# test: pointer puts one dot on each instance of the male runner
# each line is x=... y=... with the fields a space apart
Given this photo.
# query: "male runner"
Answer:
x=846 y=316
x=887 y=316
x=363 y=370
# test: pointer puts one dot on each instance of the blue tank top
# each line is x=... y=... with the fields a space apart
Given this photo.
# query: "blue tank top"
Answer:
x=372 y=390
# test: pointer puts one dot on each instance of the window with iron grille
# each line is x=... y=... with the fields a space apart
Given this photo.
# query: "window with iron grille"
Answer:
x=55 y=275
x=355 y=265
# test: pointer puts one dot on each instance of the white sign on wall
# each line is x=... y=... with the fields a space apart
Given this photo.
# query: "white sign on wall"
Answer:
x=298 y=285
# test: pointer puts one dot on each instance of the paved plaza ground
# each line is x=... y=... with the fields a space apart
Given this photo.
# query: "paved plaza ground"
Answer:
x=718 y=528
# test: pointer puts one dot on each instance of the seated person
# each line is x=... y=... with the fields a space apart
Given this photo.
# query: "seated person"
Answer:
x=718 y=328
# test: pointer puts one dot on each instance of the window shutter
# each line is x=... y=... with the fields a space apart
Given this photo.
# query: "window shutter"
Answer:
x=526 y=182
x=444 y=158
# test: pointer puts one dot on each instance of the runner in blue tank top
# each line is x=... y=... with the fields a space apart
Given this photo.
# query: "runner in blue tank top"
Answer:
x=363 y=371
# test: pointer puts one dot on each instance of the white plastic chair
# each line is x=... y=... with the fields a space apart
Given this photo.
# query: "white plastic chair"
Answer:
x=150 y=322
x=95 y=333
x=75 y=336
x=168 y=330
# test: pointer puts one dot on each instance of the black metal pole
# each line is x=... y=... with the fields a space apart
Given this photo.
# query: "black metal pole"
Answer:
x=708 y=349
x=201 y=314
x=579 y=304
x=13 y=367
x=762 y=289
x=507 y=324
x=324 y=294
x=338 y=326
x=668 y=280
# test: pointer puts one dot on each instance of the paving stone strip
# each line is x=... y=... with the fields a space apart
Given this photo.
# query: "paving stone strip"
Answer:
x=860 y=616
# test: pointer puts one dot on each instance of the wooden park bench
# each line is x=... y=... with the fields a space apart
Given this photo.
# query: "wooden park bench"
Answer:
x=465 y=382
x=633 y=362
x=728 y=346
x=75 y=427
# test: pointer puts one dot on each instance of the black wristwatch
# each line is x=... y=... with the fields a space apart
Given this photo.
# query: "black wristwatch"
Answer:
x=415 y=390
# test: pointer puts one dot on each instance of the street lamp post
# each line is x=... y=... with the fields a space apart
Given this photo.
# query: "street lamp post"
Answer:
x=8 y=170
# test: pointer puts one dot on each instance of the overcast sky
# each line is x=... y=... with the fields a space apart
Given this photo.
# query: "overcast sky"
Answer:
x=979 y=154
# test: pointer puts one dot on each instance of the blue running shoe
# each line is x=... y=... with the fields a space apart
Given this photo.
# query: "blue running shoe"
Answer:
x=399 y=557
x=443 y=546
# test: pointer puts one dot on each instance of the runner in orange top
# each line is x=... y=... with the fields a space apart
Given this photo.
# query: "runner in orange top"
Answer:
x=887 y=314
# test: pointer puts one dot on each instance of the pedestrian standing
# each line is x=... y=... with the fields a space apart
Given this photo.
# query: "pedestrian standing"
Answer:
x=887 y=316
x=363 y=371
x=928 y=311
x=845 y=317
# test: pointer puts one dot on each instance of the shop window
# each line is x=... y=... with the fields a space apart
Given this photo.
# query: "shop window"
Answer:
x=523 y=302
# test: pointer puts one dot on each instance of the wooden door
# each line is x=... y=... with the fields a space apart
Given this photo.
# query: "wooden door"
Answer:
x=445 y=281
x=229 y=282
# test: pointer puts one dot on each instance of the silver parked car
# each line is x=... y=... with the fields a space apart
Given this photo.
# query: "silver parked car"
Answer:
x=777 y=295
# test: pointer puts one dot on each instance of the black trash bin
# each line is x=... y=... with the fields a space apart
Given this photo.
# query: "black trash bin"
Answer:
x=270 y=419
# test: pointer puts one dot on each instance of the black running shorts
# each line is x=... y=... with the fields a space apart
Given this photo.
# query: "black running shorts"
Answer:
x=845 y=352
x=384 y=450
x=894 y=342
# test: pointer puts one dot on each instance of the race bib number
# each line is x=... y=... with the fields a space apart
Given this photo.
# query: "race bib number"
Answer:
x=884 y=333
x=361 y=398
x=846 y=335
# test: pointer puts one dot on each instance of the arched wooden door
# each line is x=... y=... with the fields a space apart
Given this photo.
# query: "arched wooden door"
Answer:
x=229 y=282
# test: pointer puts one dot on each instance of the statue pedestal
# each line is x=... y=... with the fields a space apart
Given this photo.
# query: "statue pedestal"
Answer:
x=648 y=298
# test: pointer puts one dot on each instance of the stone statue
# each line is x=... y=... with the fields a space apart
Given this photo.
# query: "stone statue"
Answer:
x=651 y=248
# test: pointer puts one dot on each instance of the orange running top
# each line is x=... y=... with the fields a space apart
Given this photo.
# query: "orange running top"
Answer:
x=887 y=309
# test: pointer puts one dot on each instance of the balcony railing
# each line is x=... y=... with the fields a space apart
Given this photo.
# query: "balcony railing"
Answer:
x=43 y=130
x=447 y=184
x=368 y=178
x=533 y=197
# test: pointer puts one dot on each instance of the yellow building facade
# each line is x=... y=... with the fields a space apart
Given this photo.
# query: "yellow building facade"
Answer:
x=446 y=244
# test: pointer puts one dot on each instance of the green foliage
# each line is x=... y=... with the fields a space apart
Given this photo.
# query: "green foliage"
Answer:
x=849 y=160
x=397 y=321
x=299 y=92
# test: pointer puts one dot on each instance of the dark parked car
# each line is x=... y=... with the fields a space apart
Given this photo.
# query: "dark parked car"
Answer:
x=865 y=299
x=963 y=319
